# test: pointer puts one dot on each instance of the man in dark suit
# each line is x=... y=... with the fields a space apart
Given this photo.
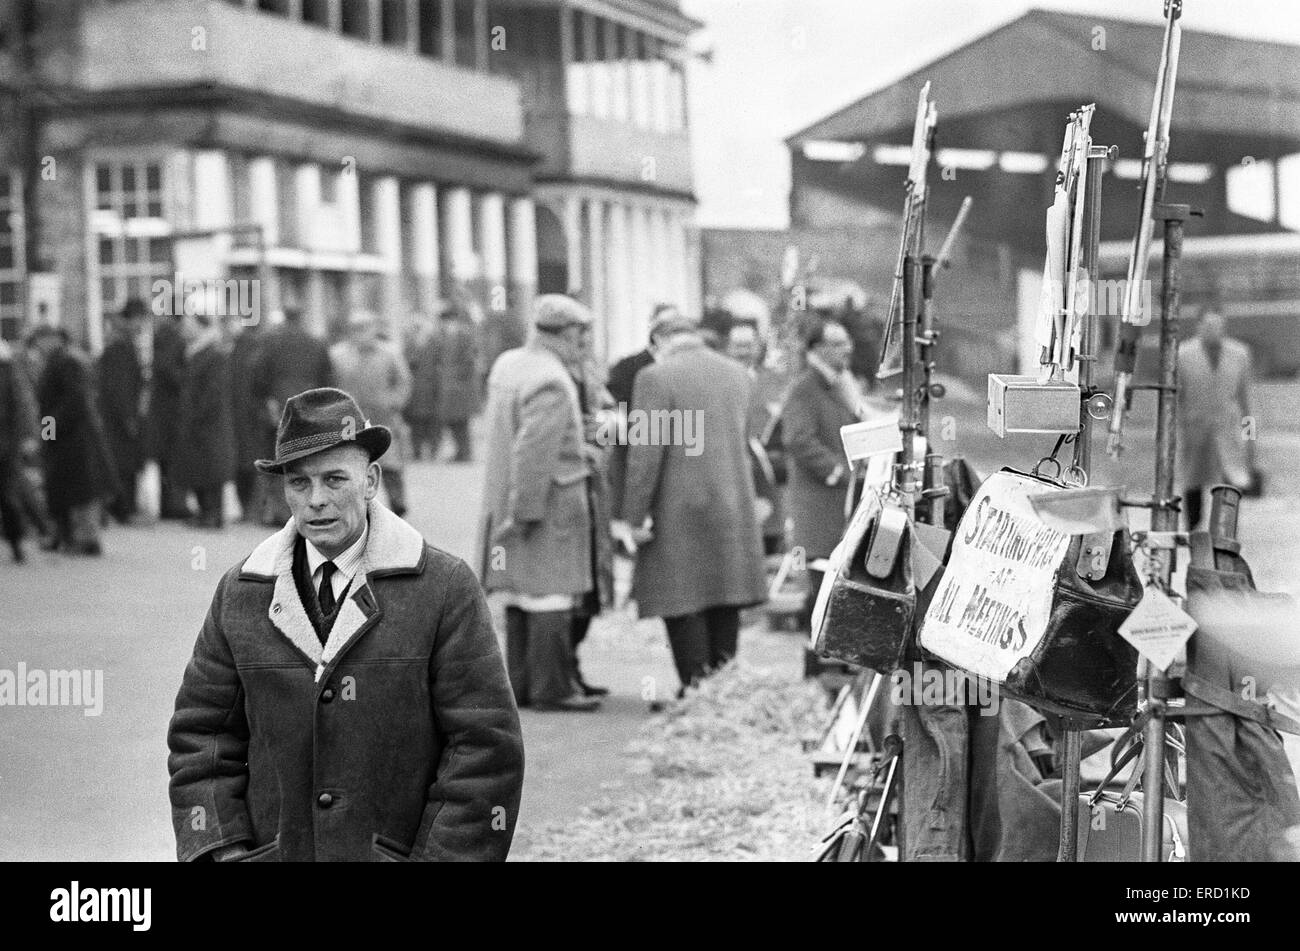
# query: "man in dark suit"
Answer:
x=824 y=397
x=166 y=380
x=205 y=459
x=121 y=392
x=18 y=428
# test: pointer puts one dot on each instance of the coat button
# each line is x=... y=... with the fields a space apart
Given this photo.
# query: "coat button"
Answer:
x=275 y=608
x=324 y=800
x=327 y=695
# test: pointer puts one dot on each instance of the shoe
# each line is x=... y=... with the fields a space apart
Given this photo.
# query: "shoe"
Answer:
x=571 y=705
x=589 y=690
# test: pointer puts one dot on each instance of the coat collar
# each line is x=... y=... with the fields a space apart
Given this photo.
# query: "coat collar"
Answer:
x=393 y=547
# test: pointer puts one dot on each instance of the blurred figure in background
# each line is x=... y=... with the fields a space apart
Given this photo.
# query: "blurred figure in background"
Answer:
x=166 y=380
x=598 y=412
x=1214 y=377
x=622 y=375
x=536 y=539
x=376 y=375
x=122 y=403
x=703 y=559
x=18 y=442
x=421 y=411
x=457 y=373
x=292 y=361
x=824 y=397
x=79 y=472
x=205 y=459
x=246 y=411
x=745 y=346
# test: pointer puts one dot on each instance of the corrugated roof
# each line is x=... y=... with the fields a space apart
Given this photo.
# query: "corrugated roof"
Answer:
x=1225 y=84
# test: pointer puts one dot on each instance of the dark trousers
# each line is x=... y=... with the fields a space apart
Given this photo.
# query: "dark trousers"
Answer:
x=460 y=433
x=172 y=503
x=1192 y=505
x=539 y=655
x=246 y=487
x=396 y=490
x=702 y=642
x=209 y=499
x=11 y=512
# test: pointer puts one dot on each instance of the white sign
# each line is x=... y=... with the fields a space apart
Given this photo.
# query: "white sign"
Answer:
x=995 y=598
x=1158 y=628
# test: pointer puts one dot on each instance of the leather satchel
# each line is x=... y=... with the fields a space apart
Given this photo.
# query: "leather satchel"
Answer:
x=867 y=600
x=1075 y=663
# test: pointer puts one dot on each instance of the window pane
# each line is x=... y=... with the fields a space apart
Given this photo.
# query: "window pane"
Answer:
x=159 y=250
x=106 y=250
x=153 y=177
x=132 y=250
x=8 y=293
x=103 y=178
x=128 y=178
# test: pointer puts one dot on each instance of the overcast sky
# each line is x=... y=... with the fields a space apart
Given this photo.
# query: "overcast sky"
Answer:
x=779 y=65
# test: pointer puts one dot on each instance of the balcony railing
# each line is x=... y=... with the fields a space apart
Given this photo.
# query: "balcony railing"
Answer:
x=146 y=43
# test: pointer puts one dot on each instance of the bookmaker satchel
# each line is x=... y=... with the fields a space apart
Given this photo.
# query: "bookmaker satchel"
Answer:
x=1035 y=610
x=867 y=601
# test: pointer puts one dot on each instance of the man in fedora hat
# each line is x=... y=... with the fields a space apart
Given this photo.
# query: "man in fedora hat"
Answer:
x=346 y=700
x=538 y=541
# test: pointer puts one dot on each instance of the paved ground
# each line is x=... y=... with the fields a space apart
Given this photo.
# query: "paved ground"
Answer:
x=92 y=788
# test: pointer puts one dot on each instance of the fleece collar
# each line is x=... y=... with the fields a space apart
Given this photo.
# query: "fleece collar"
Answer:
x=392 y=547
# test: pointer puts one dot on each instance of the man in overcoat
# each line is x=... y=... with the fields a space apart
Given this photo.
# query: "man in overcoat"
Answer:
x=79 y=470
x=688 y=471
x=536 y=540
x=824 y=398
x=121 y=392
x=346 y=700
x=372 y=369
x=204 y=460
x=1214 y=414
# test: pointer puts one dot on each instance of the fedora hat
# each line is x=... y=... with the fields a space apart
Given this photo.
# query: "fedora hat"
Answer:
x=321 y=419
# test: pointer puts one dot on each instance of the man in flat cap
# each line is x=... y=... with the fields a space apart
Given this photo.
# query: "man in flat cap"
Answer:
x=346 y=700
x=537 y=545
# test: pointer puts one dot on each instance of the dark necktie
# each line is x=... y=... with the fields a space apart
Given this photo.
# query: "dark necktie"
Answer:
x=326 y=595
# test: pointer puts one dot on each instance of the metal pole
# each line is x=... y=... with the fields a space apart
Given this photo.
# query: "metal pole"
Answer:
x=1164 y=518
x=907 y=422
x=1088 y=261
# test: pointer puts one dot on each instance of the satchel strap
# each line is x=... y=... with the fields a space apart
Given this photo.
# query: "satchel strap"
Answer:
x=1229 y=702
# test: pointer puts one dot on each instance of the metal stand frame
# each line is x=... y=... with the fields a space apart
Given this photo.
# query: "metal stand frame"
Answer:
x=1098 y=155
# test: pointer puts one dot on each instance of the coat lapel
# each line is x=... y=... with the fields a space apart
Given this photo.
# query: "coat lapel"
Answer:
x=393 y=547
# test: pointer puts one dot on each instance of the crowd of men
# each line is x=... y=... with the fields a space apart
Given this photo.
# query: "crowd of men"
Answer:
x=178 y=406
x=753 y=467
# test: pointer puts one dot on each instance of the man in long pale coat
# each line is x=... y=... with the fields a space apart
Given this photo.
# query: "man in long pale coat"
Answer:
x=536 y=540
x=375 y=373
x=688 y=471
x=1213 y=412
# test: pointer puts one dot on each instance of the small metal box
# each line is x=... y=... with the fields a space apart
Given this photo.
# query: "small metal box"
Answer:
x=1020 y=404
x=871 y=438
